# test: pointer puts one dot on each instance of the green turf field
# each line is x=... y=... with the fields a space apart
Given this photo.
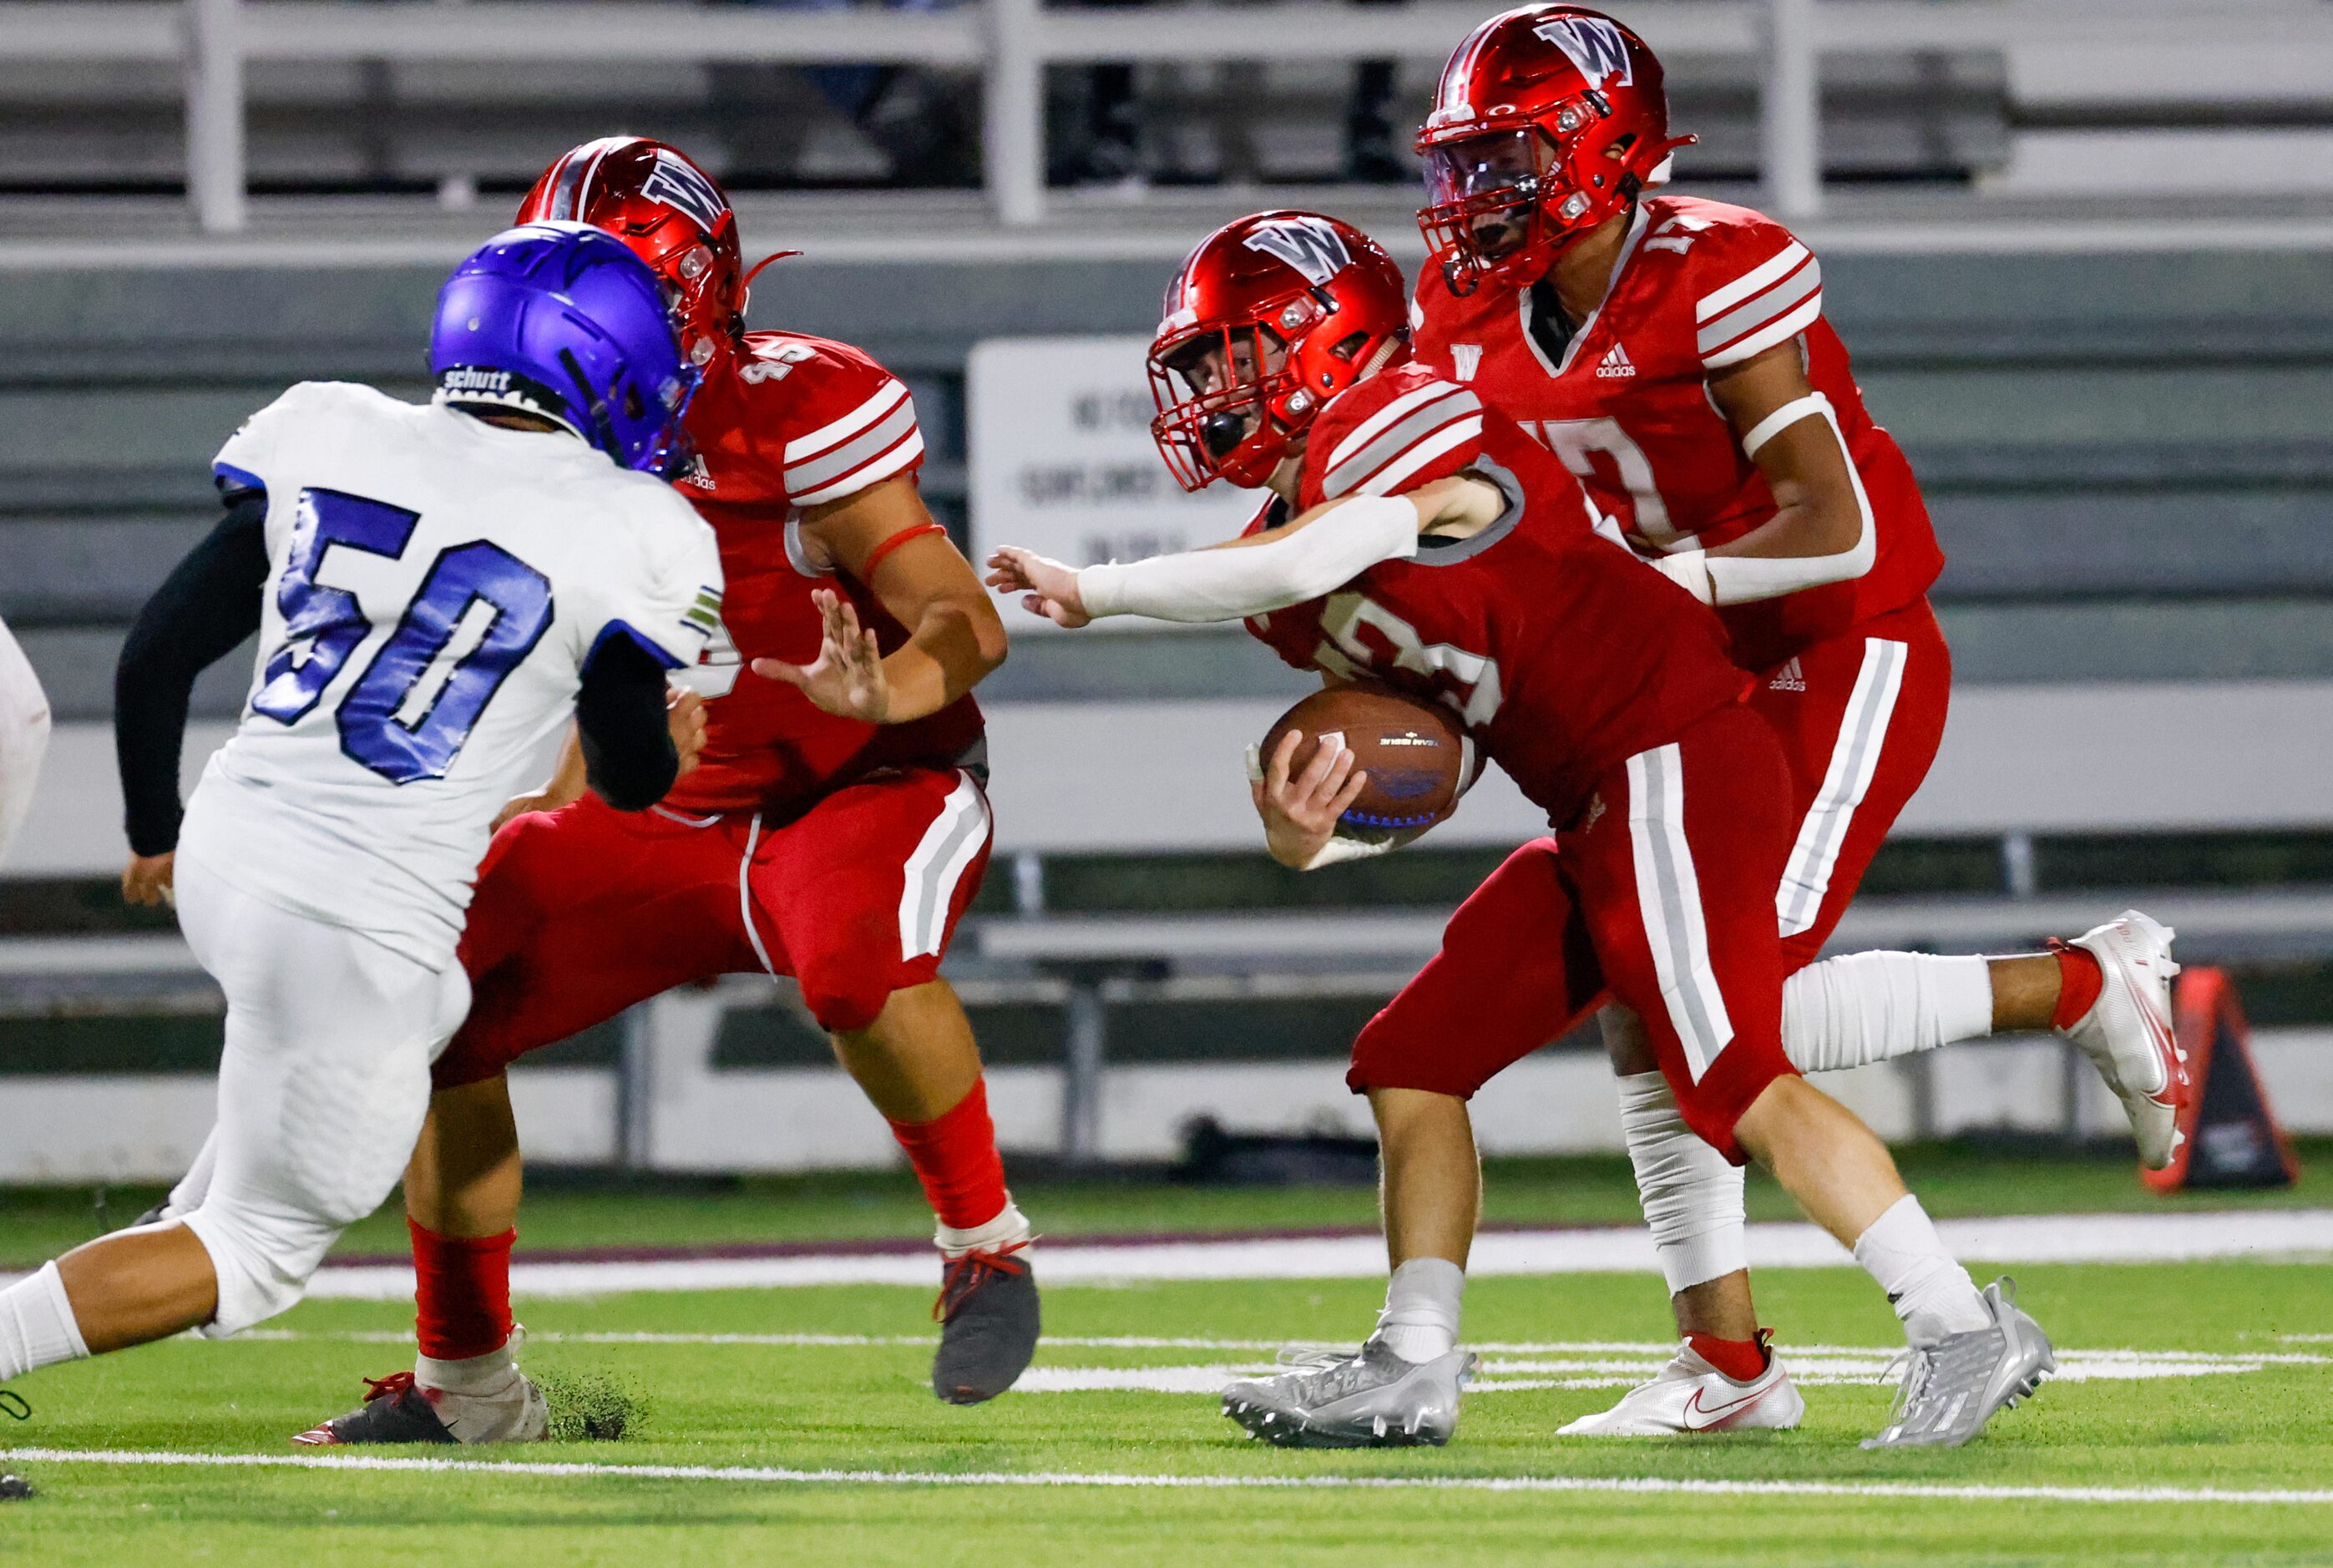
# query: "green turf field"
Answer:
x=2219 y=1389
x=1951 y=1178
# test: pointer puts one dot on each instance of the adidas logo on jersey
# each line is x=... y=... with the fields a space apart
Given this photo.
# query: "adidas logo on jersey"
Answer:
x=1789 y=678
x=1616 y=363
x=697 y=474
x=1465 y=359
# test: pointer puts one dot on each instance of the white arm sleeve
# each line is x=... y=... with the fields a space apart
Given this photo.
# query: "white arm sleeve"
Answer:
x=23 y=736
x=1232 y=584
x=1745 y=579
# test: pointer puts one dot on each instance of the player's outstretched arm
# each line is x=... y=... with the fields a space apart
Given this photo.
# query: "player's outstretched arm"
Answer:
x=207 y=605
x=1821 y=531
x=883 y=536
x=1299 y=560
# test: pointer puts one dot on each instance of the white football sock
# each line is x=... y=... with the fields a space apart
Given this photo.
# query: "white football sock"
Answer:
x=1866 y=1007
x=37 y=1328
x=1009 y=1226
x=1931 y=1292
x=484 y=1377
x=1692 y=1196
x=1420 y=1321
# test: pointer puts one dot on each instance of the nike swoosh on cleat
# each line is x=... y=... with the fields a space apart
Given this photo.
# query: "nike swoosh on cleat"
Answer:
x=1721 y=1414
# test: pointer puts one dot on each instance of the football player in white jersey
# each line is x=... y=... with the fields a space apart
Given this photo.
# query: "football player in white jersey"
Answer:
x=23 y=736
x=437 y=589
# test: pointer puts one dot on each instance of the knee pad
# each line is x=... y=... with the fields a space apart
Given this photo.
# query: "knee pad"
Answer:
x=262 y=1261
x=1692 y=1195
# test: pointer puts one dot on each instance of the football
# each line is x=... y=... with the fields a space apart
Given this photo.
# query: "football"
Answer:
x=1414 y=752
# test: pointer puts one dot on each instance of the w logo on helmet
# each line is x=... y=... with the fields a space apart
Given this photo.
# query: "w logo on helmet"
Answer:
x=1595 y=44
x=679 y=185
x=1307 y=244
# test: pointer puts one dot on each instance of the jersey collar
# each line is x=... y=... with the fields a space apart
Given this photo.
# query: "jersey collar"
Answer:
x=1636 y=226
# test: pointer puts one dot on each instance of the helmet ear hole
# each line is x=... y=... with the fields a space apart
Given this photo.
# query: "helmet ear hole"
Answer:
x=1348 y=348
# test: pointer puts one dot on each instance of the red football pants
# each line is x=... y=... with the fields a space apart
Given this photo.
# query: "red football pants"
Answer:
x=1662 y=895
x=1859 y=716
x=582 y=913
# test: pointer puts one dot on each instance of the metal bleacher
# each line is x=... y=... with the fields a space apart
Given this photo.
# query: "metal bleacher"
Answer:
x=2118 y=408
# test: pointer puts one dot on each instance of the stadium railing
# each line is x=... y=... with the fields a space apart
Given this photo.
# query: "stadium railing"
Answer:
x=2089 y=53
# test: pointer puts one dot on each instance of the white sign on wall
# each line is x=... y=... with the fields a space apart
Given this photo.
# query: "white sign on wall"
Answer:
x=1063 y=463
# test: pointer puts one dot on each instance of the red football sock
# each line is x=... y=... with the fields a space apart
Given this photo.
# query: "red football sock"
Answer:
x=1741 y=1360
x=461 y=1291
x=2079 y=981
x=956 y=1159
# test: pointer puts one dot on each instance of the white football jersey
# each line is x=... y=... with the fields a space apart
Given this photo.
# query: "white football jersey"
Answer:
x=23 y=736
x=436 y=584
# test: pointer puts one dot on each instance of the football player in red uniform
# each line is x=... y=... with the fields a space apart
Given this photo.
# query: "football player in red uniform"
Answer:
x=834 y=829
x=1441 y=549
x=1674 y=353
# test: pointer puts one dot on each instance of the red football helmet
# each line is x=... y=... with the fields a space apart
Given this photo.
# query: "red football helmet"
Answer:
x=1269 y=318
x=672 y=213
x=1549 y=121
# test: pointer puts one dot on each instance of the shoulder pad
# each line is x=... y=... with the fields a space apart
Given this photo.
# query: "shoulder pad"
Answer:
x=1392 y=433
x=826 y=415
x=1754 y=282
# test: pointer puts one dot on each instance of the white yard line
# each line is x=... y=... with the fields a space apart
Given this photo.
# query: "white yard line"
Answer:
x=1654 y=1349
x=1516 y=1376
x=1506 y=1367
x=2264 y=1235
x=2257 y=1235
x=753 y=1474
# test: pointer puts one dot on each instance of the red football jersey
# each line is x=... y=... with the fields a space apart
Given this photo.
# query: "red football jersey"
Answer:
x=1701 y=286
x=785 y=423
x=1561 y=653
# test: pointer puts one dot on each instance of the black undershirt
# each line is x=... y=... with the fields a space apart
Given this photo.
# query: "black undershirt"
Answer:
x=628 y=752
x=1551 y=328
x=211 y=602
x=206 y=606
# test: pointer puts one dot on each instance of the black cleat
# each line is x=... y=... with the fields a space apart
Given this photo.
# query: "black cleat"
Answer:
x=15 y=1489
x=988 y=1312
x=393 y=1412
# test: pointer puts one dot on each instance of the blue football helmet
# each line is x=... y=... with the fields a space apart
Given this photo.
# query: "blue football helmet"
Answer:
x=562 y=319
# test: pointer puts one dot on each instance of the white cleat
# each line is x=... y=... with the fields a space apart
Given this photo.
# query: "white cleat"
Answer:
x=1689 y=1395
x=2128 y=1033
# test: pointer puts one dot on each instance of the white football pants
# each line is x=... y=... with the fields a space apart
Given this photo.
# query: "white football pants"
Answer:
x=322 y=1087
x=23 y=737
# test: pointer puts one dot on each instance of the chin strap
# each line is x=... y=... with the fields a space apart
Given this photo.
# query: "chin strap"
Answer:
x=745 y=284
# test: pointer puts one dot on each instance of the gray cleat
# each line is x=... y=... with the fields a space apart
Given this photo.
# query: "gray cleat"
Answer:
x=988 y=1312
x=1952 y=1388
x=1368 y=1399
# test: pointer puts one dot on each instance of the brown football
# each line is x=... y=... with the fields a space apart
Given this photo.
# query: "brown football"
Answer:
x=1414 y=753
